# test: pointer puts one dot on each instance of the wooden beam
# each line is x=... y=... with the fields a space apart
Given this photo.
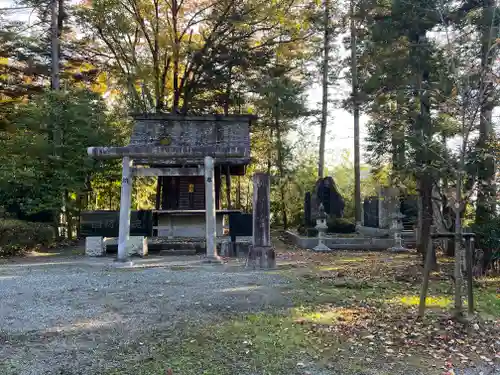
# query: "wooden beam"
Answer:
x=217 y=186
x=168 y=152
x=158 y=193
x=168 y=171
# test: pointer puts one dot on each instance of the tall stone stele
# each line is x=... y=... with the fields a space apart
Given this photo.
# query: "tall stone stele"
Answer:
x=261 y=254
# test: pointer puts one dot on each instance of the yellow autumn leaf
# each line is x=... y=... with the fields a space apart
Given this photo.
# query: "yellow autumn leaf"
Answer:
x=4 y=61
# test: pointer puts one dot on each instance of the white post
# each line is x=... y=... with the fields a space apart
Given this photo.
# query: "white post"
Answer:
x=125 y=201
x=211 y=234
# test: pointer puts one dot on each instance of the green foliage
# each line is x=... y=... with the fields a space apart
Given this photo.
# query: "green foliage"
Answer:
x=488 y=234
x=18 y=236
x=44 y=156
x=340 y=225
x=343 y=174
x=306 y=231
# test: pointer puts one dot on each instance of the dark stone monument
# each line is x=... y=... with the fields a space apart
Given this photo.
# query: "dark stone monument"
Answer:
x=326 y=192
x=370 y=212
x=307 y=210
x=240 y=225
x=106 y=223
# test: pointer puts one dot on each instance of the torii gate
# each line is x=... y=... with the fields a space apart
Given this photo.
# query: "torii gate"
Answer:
x=129 y=153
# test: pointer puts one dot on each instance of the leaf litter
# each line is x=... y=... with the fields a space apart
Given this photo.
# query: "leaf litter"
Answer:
x=367 y=320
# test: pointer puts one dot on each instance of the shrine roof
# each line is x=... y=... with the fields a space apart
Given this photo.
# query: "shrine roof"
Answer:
x=186 y=134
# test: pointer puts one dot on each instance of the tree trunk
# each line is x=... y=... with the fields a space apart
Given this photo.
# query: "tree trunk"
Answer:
x=54 y=43
x=324 y=105
x=55 y=31
x=398 y=143
x=486 y=197
x=176 y=52
x=425 y=282
x=354 y=72
x=457 y=273
x=280 y=167
x=69 y=217
x=424 y=157
x=427 y=217
x=270 y=153
x=227 y=100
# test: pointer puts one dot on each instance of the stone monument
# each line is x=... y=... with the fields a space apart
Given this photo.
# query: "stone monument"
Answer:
x=261 y=254
x=326 y=192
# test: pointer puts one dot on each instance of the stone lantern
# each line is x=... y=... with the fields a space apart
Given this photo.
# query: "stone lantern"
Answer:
x=321 y=227
x=397 y=225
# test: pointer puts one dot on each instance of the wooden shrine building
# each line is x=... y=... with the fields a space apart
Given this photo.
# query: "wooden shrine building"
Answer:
x=190 y=156
x=180 y=196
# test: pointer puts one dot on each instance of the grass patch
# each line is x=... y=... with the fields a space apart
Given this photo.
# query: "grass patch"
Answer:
x=439 y=301
x=265 y=343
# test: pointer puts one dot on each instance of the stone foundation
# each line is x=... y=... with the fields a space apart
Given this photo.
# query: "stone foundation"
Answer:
x=242 y=247
x=95 y=246
x=186 y=226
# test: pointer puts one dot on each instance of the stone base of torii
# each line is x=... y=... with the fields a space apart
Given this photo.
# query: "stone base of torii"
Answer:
x=261 y=254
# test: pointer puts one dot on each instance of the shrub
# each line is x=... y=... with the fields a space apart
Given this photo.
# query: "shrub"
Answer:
x=17 y=237
x=340 y=225
x=488 y=239
x=308 y=232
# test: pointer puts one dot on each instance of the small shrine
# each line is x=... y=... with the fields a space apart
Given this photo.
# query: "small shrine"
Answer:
x=190 y=156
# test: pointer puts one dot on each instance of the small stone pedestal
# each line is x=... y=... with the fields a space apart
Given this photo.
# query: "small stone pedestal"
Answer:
x=95 y=246
x=261 y=254
x=321 y=227
x=137 y=245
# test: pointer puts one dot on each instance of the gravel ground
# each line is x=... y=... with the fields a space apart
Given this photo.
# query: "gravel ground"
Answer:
x=75 y=318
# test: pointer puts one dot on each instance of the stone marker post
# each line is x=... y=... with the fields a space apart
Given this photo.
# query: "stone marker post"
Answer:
x=125 y=198
x=262 y=253
x=211 y=235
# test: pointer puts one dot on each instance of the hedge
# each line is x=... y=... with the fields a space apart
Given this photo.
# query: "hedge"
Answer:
x=17 y=237
x=340 y=225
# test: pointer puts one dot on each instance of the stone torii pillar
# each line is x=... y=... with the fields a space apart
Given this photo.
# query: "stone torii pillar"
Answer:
x=125 y=201
x=210 y=221
x=261 y=253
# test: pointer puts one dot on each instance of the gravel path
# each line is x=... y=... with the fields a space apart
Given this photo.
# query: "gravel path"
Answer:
x=76 y=318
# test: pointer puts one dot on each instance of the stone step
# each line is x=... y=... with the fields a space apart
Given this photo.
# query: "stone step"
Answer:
x=177 y=252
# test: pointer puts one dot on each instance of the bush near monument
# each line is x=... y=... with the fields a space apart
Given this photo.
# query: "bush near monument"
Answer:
x=17 y=237
x=340 y=225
